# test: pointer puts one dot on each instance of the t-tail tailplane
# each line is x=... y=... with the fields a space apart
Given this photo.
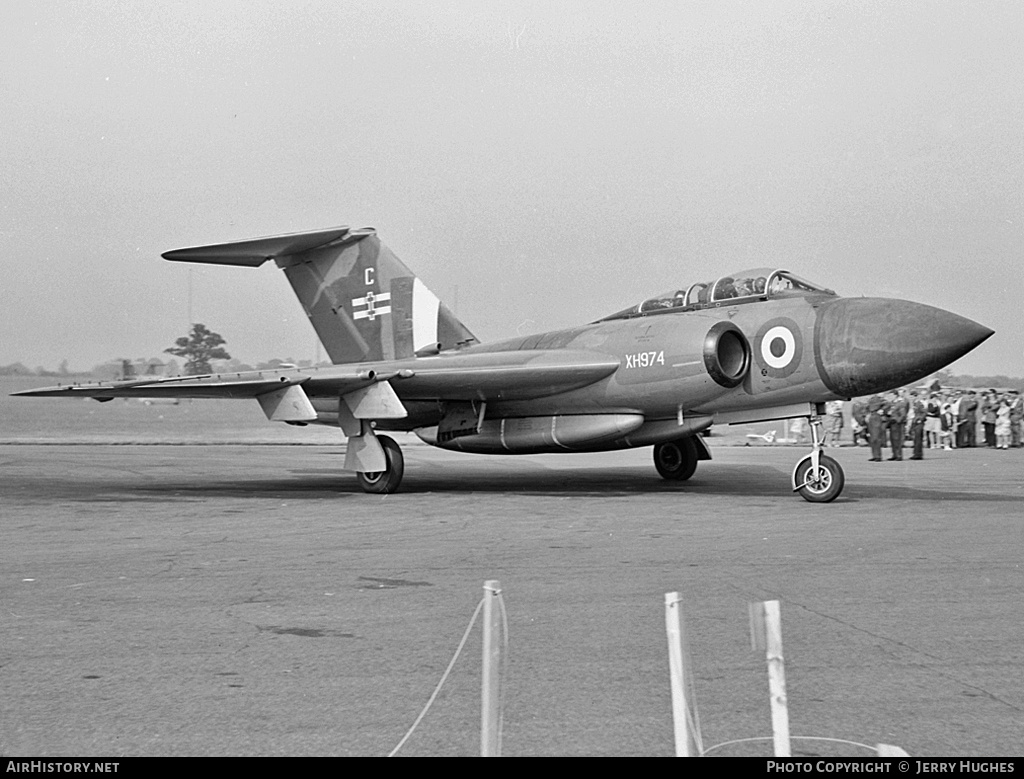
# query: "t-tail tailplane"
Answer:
x=364 y=304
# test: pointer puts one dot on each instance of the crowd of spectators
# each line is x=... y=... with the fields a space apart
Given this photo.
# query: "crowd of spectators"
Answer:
x=936 y=419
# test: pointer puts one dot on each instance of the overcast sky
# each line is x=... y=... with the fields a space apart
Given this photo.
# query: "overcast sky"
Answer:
x=537 y=164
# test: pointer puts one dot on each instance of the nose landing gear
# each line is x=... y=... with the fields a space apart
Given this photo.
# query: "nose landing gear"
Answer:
x=817 y=477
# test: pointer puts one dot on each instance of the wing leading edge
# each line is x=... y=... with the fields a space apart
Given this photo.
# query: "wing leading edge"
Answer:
x=474 y=376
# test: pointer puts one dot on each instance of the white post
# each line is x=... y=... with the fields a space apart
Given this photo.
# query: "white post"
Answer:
x=490 y=697
x=776 y=677
x=685 y=744
x=888 y=750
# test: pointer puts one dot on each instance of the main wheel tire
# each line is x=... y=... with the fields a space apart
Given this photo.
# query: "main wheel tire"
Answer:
x=385 y=482
x=676 y=460
x=826 y=486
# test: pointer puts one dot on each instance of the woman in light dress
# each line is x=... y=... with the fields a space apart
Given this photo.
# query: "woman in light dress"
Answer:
x=1003 y=424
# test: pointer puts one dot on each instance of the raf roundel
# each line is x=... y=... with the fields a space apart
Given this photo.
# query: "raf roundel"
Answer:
x=779 y=347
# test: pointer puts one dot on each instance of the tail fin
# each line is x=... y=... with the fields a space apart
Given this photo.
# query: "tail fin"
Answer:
x=363 y=302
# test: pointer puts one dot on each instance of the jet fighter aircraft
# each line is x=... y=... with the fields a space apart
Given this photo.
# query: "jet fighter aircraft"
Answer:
x=756 y=345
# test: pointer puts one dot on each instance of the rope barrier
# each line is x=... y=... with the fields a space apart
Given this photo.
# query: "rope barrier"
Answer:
x=440 y=684
x=792 y=738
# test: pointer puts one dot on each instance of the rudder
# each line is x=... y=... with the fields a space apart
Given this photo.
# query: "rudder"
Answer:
x=363 y=302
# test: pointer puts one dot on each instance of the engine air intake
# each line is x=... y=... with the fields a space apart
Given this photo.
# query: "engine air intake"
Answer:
x=726 y=354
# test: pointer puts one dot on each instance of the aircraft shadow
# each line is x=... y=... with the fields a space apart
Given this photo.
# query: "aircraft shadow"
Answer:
x=597 y=482
x=891 y=492
x=748 y=481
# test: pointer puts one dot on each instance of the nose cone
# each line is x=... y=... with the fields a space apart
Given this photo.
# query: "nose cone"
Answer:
x=868 y=345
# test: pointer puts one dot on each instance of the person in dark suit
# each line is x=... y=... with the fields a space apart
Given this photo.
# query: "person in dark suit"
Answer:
x=898 y=410
x=933 y=425
x=989 y=406
x=876 y=426
x=1016 y=418
x=971 y=422
x=859 y=416
x=961 y=421
x=919 y=414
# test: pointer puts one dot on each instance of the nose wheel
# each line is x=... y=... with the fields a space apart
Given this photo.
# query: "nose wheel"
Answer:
x=817 y=477
x=819 y=483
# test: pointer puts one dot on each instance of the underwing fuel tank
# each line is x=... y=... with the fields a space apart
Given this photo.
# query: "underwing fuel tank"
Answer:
x=535 y=435
x=869 y=345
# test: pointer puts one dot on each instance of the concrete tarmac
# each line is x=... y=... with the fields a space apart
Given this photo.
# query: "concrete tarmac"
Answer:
x=250 y=600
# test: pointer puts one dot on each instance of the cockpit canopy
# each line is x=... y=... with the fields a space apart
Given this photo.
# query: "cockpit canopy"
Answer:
x=744 y=287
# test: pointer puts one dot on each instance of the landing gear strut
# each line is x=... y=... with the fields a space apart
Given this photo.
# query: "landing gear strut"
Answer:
x=385 y=482
x=817 y=477
x=676 y=460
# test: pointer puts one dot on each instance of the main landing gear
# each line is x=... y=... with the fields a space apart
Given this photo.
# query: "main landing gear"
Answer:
x=676 y=460
x=385 y=482
x=817 y=477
